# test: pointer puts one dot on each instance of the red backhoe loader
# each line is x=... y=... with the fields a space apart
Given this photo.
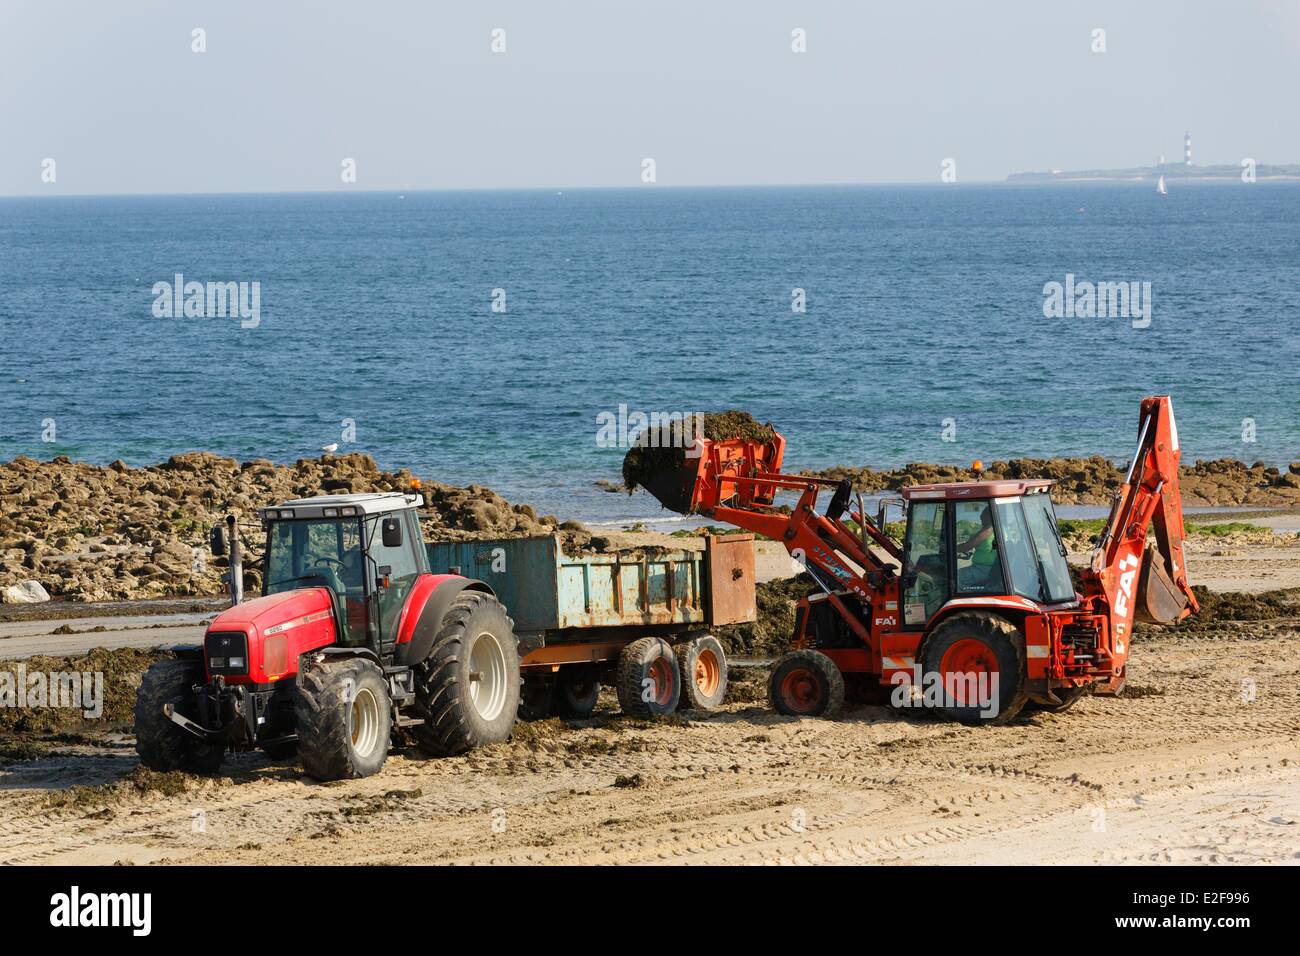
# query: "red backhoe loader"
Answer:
x=976 y=614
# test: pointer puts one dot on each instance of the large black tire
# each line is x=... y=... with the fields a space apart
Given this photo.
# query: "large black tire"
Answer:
x=970 y=644
x=577 y=688
x=1069 y=697
x=467 y=689
x=344 y=719
x=704 y=673
x=161 y=744
x=647 y=679
x=806 y=684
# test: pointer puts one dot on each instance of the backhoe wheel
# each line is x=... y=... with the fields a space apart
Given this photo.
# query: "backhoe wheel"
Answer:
x=806 y=684
x=980 y=658
x=577 y=688
x=704 y=673
x=344 y=719
x=1069 y=697
x=648 y=684
x=161 y=744
x=467 y=689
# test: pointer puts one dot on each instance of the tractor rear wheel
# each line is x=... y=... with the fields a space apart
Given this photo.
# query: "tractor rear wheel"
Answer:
x=980 y=659
x=806 y=684
x=467 y=689
x=344 y=719
x=161 y=744
x=577 y=688
x=648 y=682
x=704 y=673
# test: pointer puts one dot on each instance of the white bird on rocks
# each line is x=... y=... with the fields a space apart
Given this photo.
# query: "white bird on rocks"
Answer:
x=330 y=448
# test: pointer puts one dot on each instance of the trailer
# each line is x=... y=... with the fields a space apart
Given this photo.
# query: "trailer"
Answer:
x=636 y=619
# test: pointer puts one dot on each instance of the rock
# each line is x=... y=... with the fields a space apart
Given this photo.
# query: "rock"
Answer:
x=24 y=592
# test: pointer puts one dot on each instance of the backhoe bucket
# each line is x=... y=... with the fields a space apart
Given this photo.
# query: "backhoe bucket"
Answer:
x=1159 y=601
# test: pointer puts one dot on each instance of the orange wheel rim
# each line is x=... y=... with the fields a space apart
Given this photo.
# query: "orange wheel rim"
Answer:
x=801 y=690
x=662 y=675
x=965 y=658
x=708 y=673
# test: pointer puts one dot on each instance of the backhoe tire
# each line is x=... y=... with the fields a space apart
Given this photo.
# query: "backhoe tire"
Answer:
x=344 y=718
x=703 y=664
x=161 y=744
x=806 y=683
x=577 y=688
x=966 y=647
x=467 y=689
x=1069 y=697
x=648 y=682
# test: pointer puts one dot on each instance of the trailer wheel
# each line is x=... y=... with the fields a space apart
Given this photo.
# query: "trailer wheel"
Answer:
x=978 y=647
x=704 y=673
x=806 y=684
x=577 y=690
x=161 y=744
x=648 y=683
x=467 y=689
x=344 y=719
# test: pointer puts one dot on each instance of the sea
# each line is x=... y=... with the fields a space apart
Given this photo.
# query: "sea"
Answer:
x=492 y=337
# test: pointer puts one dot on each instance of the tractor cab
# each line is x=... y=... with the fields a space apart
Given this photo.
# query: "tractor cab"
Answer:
x=981 y=539
x=366 y=549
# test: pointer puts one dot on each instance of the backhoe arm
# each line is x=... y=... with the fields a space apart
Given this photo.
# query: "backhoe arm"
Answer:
x=1137 y=582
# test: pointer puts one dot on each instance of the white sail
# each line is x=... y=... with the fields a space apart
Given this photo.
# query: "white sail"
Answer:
x=1160 y=187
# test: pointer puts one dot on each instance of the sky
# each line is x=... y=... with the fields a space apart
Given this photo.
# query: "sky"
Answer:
x=413 y=92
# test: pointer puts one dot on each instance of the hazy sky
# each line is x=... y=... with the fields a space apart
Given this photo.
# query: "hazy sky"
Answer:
x=585 y=90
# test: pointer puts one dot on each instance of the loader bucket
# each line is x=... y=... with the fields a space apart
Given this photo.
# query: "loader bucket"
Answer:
x=1159 y=601
x=673 y=487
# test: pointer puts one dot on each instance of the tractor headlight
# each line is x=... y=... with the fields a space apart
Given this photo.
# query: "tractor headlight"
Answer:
x=226 y=652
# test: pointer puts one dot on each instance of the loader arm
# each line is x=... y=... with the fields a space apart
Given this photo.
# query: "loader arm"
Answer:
x=1132 y=580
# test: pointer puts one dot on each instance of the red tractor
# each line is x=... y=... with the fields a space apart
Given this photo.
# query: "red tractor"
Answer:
x=351 y=637
x=976 y=614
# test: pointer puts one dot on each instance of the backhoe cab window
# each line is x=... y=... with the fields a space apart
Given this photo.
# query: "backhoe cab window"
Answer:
x=1049 y=547
x=927 y=562
x=979 y=564
x=1034 y=552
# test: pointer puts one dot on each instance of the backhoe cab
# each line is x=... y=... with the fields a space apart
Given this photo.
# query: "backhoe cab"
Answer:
x=351 y=637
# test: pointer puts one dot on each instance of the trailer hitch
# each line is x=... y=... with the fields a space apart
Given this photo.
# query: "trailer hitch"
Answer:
x=198 y=730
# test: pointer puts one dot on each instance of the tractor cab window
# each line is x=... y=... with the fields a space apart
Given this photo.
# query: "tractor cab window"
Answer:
x=404 y=564
x=306 y=554
x=979 y=564
x=926 y=555
x=1022 y=563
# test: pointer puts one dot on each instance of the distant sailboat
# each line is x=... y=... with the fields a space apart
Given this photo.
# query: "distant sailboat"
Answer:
x=1160 y=187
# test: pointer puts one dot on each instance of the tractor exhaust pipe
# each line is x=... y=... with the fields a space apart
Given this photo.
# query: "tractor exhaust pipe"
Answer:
x=236 y=562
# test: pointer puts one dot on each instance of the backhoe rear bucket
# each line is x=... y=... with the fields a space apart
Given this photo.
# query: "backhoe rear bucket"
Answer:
x=1159 y=601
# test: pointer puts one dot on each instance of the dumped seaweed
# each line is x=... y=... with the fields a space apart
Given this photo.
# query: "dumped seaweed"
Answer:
x=772 y=629
x=119 y=672
x=662 y=451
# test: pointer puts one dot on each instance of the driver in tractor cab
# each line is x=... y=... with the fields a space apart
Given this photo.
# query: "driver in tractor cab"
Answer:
x=981 y=548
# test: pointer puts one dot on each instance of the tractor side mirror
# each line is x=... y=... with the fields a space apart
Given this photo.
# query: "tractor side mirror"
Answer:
x=392 y=532
x=217 y=541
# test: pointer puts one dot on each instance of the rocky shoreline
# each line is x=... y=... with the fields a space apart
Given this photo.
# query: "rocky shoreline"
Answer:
x=1223 y=482
x=113 y=533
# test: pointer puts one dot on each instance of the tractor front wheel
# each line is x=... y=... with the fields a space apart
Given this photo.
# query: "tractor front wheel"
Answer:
x=467 y=689
x=806 y=684
x=344 y=719
x=161 y=744
x=979 y=658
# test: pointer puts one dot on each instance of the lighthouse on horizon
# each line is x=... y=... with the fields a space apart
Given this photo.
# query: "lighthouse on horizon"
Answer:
x=1187 y=148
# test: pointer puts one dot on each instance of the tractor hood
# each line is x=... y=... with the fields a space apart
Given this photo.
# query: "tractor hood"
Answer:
x=272 y=632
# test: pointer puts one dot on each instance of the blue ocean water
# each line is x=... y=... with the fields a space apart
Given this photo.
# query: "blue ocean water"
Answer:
x=923 y=304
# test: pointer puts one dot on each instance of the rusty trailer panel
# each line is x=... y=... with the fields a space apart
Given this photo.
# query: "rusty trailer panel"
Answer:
x=545 y=589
